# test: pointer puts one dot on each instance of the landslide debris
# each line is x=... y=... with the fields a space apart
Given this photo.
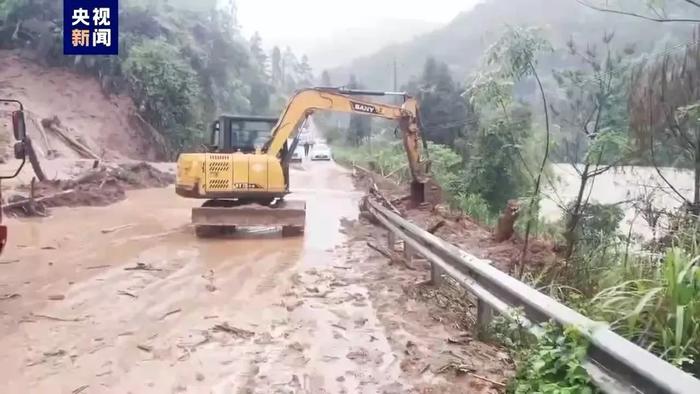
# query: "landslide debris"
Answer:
x=100 y=186
x=458 y=228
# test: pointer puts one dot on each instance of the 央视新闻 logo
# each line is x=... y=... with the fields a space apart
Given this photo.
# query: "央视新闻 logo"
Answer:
x=90 y=27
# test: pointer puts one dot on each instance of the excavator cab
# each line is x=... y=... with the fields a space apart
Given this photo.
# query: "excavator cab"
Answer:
x=244 y=134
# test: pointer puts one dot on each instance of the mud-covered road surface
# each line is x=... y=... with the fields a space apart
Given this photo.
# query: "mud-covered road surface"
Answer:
x=125 y=299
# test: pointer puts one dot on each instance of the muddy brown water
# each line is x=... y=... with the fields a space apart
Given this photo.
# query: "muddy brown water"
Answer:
x=74 y=318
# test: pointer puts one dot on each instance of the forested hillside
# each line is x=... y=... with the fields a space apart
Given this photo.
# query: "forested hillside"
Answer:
x=462 y=42
x=181 y=66
x=514 y=88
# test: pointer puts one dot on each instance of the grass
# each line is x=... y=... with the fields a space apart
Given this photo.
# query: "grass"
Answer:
x=660 y=313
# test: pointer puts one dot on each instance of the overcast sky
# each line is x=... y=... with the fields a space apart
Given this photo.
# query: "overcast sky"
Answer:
x=299 y=22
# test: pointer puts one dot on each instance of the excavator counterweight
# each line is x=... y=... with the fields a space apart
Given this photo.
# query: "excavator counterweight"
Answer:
x=244 y=175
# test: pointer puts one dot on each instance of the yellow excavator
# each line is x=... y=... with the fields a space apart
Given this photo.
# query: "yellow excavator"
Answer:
x=244 y=173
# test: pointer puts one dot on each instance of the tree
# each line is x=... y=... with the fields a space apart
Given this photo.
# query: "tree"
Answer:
x=360 y=125
x=325 y=78
x=290 y=68
x=165 y=88
x=304 y=73
x=653 y=10
x=665 y=113
x=593 y=110
x=257 y=53
x=493 y=169
x=445 y=114
x=514 y=58
x=276 y=66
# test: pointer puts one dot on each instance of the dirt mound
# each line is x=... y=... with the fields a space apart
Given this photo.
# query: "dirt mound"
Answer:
x=459 y=229
x=99 y=186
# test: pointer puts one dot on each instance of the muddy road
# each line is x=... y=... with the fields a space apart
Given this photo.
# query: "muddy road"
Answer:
x=125 y=299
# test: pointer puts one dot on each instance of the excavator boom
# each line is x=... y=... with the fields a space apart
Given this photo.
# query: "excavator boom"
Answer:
x=308 y=101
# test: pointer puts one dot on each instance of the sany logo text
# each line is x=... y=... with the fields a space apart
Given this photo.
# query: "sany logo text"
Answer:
x=366 y=108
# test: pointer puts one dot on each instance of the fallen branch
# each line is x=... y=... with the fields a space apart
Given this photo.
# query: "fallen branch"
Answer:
x=459 y=368
x=9 y=296
x=436 y=227
x=392 y=256
x=178 y=310
x=80 y=389
x=34 y=160
x=126 y=293
x=142 y=267
x=94 y=267
x=374 y=190
x=145 y=348
x=499 y=384
x=380 y=250
x=55 y=318
x=235 y=331
x=27 y=202
x=54 y=125
x=339 y=326
x=9 y=261
x=40 y=127
x=118 y=228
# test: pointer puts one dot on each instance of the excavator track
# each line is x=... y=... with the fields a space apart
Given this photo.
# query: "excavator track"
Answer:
x=216 y=217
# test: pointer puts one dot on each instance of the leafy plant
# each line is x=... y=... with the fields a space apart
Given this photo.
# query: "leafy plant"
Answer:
x=553 y=364
x=549 y=362
x=476 y=207
x=661 y=313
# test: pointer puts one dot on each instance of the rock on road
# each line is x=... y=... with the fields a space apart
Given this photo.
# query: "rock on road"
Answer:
x=125 y=298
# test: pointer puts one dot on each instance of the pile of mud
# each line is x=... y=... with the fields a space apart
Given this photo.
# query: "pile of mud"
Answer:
x=100 y=186
x=461 y=230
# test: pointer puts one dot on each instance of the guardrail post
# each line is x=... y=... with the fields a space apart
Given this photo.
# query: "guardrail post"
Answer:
x=435 y=274
x=407 y=252
x=391 y=240
x=484 y=315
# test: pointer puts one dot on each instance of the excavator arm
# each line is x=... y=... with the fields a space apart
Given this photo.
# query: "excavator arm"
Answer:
x=307 y=101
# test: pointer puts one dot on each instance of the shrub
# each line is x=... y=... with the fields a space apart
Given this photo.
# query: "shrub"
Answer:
x=164 y=88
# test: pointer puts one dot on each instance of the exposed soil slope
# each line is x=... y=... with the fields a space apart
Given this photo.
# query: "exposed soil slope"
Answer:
x=108 y=125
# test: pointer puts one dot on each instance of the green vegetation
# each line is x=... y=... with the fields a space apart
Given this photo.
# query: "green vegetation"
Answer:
x=500 y=102
x=595 y=102
x=181 y=65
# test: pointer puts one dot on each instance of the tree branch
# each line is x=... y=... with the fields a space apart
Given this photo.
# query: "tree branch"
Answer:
x=640 y=16
x=536 y=193
x=661 y=175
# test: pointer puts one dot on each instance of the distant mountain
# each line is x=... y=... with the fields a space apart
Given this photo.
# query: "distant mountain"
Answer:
x=462 y=42
x=341 y=47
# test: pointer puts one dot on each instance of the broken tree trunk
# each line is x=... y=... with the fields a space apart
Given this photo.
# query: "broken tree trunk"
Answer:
x=374 y=190
x=34 y=160
x=40 y=128
x=29 y=201
x=54 y=125
x=506 y=222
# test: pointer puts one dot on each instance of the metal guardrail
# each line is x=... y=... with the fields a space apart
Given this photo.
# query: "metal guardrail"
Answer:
x=615 y=364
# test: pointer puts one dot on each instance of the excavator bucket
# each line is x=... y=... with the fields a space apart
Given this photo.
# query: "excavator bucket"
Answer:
x=290 y=215
x=426 y=192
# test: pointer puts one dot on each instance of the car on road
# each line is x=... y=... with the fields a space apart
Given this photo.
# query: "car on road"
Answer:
x=321 y=152
x=298 y=154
